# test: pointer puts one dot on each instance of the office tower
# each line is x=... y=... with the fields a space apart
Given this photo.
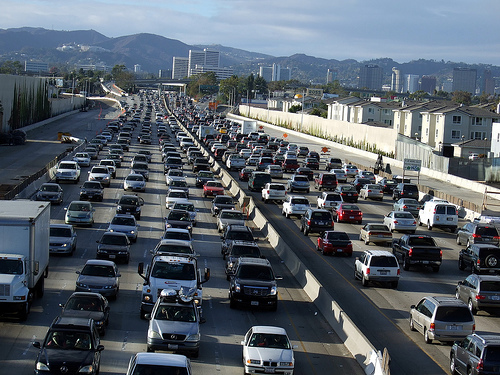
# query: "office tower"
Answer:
x=370 y=77
x=396 y=85
x=464 y=79
x=180 y=67
x=428 y=84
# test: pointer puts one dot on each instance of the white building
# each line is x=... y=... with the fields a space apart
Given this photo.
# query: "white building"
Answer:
x=410 y=83
x=180 y=67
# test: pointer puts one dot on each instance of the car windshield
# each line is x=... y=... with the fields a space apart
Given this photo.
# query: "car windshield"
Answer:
x=255 y=272
x=379 y=228
x=120 y=220
x=78 y=207
x=98 y=270
x=492 y=353
x=171 y=235
x=178 y=183
x=99 y=170
x=176 y=313
x=91 y=185
x=83 y=304
x=348 y=188
x=223 y=200
x=205 y=174
x=300 y=201
x=60 y=232
x=179 y=215
x=269 y=340
x=184 y=206
x=111 y=239
x=382 y=261
x=350 y=207
x=177 y=194
x=173 y=271
x=11 y=267
x=214 y=184
x=135 y=178
x=50 y=188
x=129 y=201
x=175 y=172
x=338 y=236
x=232 y=215
x=246 y=251
x=68 y=340
x=67 y=166
x=333 y=197
x=403 y=215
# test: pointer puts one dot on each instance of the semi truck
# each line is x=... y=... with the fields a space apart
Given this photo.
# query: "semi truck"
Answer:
x=24 y=254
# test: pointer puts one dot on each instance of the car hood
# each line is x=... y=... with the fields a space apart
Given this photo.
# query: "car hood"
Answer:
x=99 y=175
x=135 y=183
x=73 y=359
x=270 y=354
x=121 y=228
x=113 y=247
x=79 y=213
x=169 y=327
x=47 y=193
x=97 y=280
x=60 y=240
x=96 y=315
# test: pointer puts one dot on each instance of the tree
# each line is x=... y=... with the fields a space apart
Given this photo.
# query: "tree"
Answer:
x=11 y=67
x=198 y=81
x=260 y=85
x=250 y=86
x=462 y=97
x=295 y=108
x=418 y=95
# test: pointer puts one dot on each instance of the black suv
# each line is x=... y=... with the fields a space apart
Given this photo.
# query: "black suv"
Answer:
x=221 y=202
x=130 y=204
x=316 y=220
x=476 y=354
x=92 y=190
x=479 y=292
x=253 y=283
x=234 y=233
x=403 y=190
x=239 y=249
x=480 y=258
x=71 y=346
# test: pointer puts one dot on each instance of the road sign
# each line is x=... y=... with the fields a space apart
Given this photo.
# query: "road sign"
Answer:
x=325 y=149
x=261 y=127
x=413 y=165
x=285 y=135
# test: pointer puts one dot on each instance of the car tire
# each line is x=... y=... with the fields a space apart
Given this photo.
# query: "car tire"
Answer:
x=412 y=325
x=149 y=350
x=461 y=265
x=491 y=261
x=453 y=369
x=406 y=264
x=427 y=339
x=364 y=281
x=429 y=226
x=306 y=231
x=472 y=309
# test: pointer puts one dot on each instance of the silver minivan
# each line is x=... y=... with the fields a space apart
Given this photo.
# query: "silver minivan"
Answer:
x=442 y=319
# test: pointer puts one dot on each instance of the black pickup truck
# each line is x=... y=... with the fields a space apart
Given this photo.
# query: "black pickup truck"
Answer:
x=413 y=249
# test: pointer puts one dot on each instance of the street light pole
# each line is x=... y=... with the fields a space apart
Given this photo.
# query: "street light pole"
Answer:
x=462 y=148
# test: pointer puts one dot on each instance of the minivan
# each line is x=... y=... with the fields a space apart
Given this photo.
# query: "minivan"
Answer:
x=438 y=213
x=258 y=180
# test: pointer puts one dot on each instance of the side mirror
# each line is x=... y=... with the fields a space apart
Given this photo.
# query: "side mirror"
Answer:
x=140 y=268
x=412 y=306
x=36 y=344
x=460 y=283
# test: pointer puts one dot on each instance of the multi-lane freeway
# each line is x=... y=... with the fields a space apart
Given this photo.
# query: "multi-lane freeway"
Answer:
x=319 y=349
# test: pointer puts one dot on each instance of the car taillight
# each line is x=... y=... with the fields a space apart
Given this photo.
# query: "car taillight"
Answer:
x=405 y=206
x=496 y=237
x=414 y=222
x=432 y=326
x=369 y=191
x=480 y=297
x=473 y=327
x=399 y=271
x=478 y=262
x=480 y=365
x=308 y=222
x=476 y=236
x=410 y=252
x=368 y=271
x=395 y=221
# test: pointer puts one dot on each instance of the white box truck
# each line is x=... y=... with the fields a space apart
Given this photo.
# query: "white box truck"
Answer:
x=24 y=254
x=248 y=127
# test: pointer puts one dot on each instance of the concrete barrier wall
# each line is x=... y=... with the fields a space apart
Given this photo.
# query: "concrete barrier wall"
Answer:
x=355 y=341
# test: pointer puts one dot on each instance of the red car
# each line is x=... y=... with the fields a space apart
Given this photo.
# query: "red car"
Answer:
x=290 y=165
x=245 y=174
x=331 y=242
x=349 y=213
x=213 y=188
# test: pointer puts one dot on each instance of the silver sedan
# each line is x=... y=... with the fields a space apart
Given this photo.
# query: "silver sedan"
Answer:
x=400 y=221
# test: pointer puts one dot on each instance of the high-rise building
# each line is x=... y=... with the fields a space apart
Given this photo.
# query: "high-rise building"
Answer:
x=195 y=58
x=180 y=67
x=285 y=74
x=137 y=68
x=488 y=83
x=33 y=66
x=370 y=77
x=266 y=72
x=212 y=58
x=428 y=84
x=331 y=75
x=396 y=82
x=410 y=83
x=464 y=79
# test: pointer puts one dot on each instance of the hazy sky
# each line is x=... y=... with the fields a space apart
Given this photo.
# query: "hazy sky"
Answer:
x=452 y=30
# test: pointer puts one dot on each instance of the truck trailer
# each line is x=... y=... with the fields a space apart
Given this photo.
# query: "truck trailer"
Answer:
x=24 y=254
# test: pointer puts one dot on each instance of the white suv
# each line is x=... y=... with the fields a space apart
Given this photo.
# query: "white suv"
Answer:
x=273 y=192
x=438 y=213
x=68 y=171
x=295 y=205
x=377 y=265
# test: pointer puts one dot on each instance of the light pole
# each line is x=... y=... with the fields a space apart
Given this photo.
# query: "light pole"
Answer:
x=268 y=99
x=485 y=142
x=462 y=148
x=416 y=136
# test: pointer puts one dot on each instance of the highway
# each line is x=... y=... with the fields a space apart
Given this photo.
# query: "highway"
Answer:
x=319 y=349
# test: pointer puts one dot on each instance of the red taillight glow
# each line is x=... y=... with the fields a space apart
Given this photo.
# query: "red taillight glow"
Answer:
x=480 y=297
x=480 y=365
x=308 y=222
x=432 y=326
x=368 y=271
x=410 y=252
x=399 y=271
x=395 y=221
x=476 y=236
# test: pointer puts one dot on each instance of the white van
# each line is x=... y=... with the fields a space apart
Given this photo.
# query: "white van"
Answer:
x=439 y=213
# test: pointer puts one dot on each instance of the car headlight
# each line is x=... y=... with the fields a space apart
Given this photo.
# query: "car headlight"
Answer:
x=286 y=364
x=109 y=286
x=132 y=232
x=189 y=227
x=110 y=230
x=195 y=337
x=274 y=290
x=64 y=245
x=169 y=225
x=253 y=361
x=147 y=298
x=86 y=370
x=119 y=208
x=237 y=288
x=81 y=285
x=106 y=178
x=40 y=366
x=154 y=335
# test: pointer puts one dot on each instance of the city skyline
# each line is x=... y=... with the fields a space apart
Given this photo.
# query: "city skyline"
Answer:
x=331 y=29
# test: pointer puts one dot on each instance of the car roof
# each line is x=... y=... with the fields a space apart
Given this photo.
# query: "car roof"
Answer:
x=67 y=226
x=380 y=253
x=70 y=322
x=161 y=359
x=100 y=262
x=269 y=329
x=256 y=261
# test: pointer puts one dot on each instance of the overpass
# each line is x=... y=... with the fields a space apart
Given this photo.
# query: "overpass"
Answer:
x=165 y=82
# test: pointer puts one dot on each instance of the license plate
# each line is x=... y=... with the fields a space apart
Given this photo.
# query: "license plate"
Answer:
x=112 y=256
x=495 y=298
x=383 y=272
x=254 y=303
x=454 y=328
x=351 y=217
x=321 y=223
x=173 y=346
x=450 y=219
x=269 y=370
x=339 y=250
x=380 y=235
x=349 y=195
x=425 y=262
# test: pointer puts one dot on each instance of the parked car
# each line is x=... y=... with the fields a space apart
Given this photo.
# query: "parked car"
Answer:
x=400 y=221
x=50 y=192
x=376 y=233
x=478 y=233
x=332 y=242
x=441 y=318
x=99 y=276
x=480 y=292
